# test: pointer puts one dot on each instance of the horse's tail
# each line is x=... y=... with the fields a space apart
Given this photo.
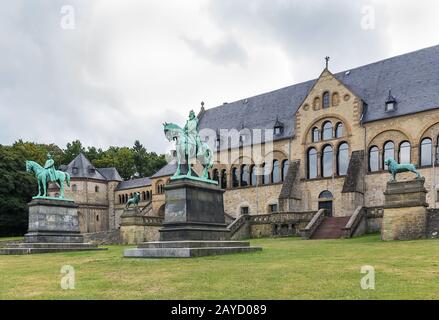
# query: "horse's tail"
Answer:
x=67 y=179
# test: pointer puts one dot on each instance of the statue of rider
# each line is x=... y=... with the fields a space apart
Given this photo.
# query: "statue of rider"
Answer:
x=50 y=167
x=191 y=129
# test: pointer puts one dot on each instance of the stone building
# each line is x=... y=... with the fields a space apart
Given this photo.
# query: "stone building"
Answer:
x=319 y=144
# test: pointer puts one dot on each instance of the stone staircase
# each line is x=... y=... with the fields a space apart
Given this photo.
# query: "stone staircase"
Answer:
x=330 y=228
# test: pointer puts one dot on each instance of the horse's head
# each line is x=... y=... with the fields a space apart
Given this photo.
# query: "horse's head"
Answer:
x=172 y=131
x=29 y=166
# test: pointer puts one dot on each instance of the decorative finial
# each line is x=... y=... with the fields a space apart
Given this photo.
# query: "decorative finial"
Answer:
x=327 y=58
x=202 y=104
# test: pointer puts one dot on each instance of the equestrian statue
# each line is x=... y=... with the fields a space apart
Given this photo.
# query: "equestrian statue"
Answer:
x=395 y=168
x=47 y=174
x=189 y=147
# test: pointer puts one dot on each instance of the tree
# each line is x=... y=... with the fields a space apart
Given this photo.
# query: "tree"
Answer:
x=72 y=150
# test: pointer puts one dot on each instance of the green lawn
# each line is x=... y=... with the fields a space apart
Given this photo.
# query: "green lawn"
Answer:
x=287 y=268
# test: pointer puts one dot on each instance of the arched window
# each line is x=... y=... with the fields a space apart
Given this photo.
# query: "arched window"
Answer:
x=343 y=159
x=426 y=152
x=275 y=176
x=265 y=175
x=224 y=179
x=253 y=176
x=285 y=166
x=404 y=152
x=339 y=130
x=215 y=175
x=327 y=131
x=235 y=180
x=147 y=195
x=312 y=163
x=437 y=150
x=144 y=195
x=96 y=188
x=374 y=159
x=389 y=152
x=327 y=161
x=335 y=99
x=325 y=99
x=120 y=199
x=326 y=195
x=245 y=176
x=74 y=188
x=315 y=135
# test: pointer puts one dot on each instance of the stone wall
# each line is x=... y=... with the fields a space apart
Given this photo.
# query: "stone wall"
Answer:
x=433 y=223
x=104 y=237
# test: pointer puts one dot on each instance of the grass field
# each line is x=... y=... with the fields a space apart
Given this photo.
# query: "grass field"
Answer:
x=287 y=268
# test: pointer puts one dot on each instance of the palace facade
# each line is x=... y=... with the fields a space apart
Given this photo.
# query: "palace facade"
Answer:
x=323 y=145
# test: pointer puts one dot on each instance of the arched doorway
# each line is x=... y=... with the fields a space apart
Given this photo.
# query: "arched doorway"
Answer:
x=325 y=202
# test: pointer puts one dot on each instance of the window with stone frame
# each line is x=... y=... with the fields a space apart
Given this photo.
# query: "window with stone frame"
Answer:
x=244 y=210
x=272 y=208
x=325 y=100
x=426 y=152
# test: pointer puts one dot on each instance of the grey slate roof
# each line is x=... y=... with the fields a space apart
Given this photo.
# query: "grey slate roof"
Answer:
x=413 y=78
x=167 y=170
x=134 y=183
x=111 y=174
x=81 y=167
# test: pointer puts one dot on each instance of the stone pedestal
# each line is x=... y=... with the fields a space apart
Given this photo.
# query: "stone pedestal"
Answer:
x=405 y=211
x=53 y=227
x=53 y=221
x=194 y=211
x=194 y=224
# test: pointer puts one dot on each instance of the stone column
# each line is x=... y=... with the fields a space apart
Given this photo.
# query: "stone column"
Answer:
x=405 y=210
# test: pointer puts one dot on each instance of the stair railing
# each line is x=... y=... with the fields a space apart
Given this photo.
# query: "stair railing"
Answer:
x=313 y=225
x=354 y=221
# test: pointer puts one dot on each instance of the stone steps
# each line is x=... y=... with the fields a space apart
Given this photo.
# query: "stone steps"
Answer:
x=33 y=248
x=331 y=228
x=193 y=244
x=188 y=249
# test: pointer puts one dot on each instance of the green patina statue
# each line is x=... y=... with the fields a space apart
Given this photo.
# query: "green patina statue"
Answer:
x=47 y=174
x=395 y=168
x=189 y=147
x=134 y=200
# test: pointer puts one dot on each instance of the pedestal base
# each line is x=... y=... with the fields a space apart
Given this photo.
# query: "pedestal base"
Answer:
x=194 y=224
x=53 y=227
x=188 y=249
x=405 y=213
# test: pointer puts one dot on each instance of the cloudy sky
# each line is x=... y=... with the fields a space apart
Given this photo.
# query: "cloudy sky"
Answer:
x=108 y=72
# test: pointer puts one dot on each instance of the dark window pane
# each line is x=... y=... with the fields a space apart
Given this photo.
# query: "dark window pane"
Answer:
x=312 y=163
x=235 y=181
x=326 y=100
x=327 y=131
x=224 y=179
x=426 y=152
x=245 y=176
x=276 y=172
x=404 y=152
x=343 y=159
x=374 y=162
x=327 y=162
x=285 y=166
